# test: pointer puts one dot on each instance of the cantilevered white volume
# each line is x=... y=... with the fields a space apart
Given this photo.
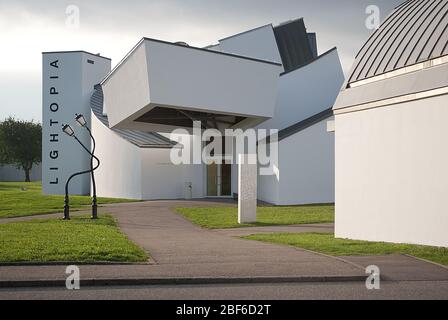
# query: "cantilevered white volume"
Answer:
x=157 y=79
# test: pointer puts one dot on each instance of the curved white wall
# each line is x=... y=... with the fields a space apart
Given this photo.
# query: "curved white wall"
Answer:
x=120 y=172
x=392 y=173
x=128 y=171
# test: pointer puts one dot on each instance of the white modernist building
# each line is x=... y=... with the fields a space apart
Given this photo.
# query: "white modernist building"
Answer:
x=271 y=77
x=391 y=133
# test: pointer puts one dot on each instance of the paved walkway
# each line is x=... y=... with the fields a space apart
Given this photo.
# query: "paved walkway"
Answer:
x=177 y=244
x=180 y=249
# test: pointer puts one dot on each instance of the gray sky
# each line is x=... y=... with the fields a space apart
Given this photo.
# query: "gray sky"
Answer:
x=113 y=27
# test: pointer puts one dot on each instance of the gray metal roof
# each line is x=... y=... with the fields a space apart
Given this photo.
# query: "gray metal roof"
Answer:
x=416 y=31
x=295 y=45
x=139 y=138
x=302 y=125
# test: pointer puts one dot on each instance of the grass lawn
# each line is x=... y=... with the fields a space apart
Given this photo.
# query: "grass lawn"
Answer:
x=227 y=217
x=26 y=198
x=327 y=244
x=78 y=240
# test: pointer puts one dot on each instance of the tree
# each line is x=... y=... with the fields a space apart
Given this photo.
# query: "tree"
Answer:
x=20 y=144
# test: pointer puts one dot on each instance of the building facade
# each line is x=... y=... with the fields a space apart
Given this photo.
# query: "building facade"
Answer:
x=271 y=77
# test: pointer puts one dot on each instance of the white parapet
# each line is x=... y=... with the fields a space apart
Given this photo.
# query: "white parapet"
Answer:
x=247 y=188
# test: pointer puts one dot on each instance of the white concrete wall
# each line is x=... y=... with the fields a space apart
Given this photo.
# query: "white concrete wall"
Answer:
x=120 y=172
x=392 y=173
x=306 y=91
x=163 y=180
x=203 y=80
x=268 y=188
x=188 y=78
x=128 y=171
x=305 y=172
x=11 y=173
x=160 y=178
x=192 y=173
x=307 y=166
x=128 y=87
x=259 y=43
x=72 y=79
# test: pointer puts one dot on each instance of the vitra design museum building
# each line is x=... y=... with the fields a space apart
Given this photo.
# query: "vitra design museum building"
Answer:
x=271 y=77
x=375 y=143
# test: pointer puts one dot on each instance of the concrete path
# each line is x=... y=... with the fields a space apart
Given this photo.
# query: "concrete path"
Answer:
x=181 y=250
x=177 y=244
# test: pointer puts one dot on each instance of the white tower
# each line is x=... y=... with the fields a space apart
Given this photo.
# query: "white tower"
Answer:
x=68 y=79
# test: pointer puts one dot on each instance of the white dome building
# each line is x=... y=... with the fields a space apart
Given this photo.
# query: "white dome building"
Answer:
x=391 y=134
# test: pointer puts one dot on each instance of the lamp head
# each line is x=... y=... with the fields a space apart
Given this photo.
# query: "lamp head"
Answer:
x=68 y=130
x=80 y=120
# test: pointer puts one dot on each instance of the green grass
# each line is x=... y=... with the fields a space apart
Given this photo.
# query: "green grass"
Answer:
x=26 y=198
x=78 y=240
x=227 y=217
x=327 y=244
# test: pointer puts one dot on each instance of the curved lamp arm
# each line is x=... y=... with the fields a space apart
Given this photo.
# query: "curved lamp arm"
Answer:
x=91 y=154
x=91 y=161
x=66 y=215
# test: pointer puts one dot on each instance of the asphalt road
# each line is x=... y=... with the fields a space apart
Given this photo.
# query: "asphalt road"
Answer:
x=287 y=291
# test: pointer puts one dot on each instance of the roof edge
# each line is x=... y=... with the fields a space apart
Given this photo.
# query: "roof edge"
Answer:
x=310 y=62
x=247 y=31
x=183 y=46
x=301 y=125
x=125 y=134
x=77 y=51
x=214 y=52
x=122 y=61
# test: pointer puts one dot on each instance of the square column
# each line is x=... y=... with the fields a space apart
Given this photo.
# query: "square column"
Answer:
x=247 y=188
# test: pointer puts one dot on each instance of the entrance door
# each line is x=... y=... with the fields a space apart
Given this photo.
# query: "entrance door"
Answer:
x=219 y=180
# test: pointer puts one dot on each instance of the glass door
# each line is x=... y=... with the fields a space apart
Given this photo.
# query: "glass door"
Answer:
x=219 y=182
x=212 y=180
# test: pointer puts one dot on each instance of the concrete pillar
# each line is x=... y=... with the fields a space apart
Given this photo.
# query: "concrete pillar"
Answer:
x=247 y=188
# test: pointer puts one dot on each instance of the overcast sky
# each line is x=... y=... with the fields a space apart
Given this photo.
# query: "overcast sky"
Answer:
x=113 y=27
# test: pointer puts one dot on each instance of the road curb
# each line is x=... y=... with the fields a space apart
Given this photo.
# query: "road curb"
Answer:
x=77 y=263
x=176 y=281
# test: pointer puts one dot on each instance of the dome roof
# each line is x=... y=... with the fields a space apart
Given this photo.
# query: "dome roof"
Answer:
x=416 y=31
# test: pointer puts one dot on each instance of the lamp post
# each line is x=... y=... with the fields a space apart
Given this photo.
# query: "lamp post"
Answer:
x=83 y=123
x=70 y=132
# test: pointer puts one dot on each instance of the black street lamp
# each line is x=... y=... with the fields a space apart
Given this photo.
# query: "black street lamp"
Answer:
x=70 y=132
x=83 y=123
